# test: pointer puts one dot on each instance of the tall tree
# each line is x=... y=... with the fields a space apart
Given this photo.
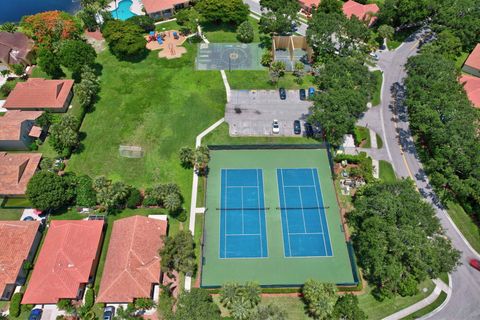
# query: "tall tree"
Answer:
x=330 y=6
x=49 y=63
x=178 y=253
x=218 y=11
x=320 y=298
x=75 y=54
x=281 y=16
x=196 y=305
x=347 y=308
x=64 y=135
x=48 y=191
x=125 y=39
x=87 y=90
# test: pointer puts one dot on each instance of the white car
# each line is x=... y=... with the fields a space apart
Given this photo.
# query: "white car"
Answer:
x=275 y=126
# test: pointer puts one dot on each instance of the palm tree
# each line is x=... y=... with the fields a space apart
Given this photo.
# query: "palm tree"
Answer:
x=251 y=293
x=172 y=202
x=228 y=294
x=187 y=157
x=202 y=156
x=240 y=309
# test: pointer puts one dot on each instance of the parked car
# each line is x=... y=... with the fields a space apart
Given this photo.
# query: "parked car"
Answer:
x=374 y=56
x=283 y=93
x=309 y=130
x=311 y=92
x=475 y=263
x=35 y=314
x=303 y=94
x=108 y=313
x=297 y=129
x=275 y=126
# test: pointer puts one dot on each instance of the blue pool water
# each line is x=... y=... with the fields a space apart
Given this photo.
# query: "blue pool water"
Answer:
x=123 y=10
x=14 y=10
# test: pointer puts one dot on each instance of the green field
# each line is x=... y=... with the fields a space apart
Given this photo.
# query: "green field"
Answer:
x=465 y=223
x=386 y=172
x=260 y=80
x=274 y=269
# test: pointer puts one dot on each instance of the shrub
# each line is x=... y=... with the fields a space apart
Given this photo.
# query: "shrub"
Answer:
x=8 y=87
x=14 y=309
x=18 y=69
x=134 y=198
x=33 y=146
x=89 y=298
x=144 y=22
x=26 y=307
x=267 y=58
x=245 y=32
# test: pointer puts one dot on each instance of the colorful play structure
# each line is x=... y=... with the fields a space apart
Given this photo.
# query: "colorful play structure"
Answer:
x=169 y=42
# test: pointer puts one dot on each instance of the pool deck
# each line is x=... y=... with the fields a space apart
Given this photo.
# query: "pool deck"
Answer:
x=136 y=7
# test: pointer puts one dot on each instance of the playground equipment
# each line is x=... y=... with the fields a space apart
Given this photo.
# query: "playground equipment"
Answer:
x=175 y=35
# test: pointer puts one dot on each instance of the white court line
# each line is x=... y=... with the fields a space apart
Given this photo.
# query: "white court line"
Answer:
x=286 y=214
x=305 y=233
x=324 y=213
x=303 y=212
x=259 y=216
x=243 y=234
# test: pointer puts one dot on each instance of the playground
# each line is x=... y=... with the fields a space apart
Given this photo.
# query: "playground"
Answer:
x=168 y=42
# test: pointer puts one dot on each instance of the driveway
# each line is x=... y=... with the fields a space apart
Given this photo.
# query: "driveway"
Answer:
x=251 y=112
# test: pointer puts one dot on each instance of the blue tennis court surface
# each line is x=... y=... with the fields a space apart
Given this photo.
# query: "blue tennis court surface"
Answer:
x=242 y=214
x=304 y=224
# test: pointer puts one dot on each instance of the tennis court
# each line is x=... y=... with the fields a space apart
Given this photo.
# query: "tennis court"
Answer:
x=304 y=223
x=242 y=214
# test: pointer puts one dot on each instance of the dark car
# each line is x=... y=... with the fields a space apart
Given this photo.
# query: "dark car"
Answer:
x=108 y=313
x=475 y=263
x=311 y=92
x=297 y=129
x=283 y=93
x=35 y=314
x=308 y=130
x=303 y=94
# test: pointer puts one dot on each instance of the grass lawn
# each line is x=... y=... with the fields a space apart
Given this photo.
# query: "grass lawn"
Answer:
x=420 y=313
x=220 y=136
x=171 y=25
x=465 y=223
x=16 y=203
x=386 y=171
x=158 y=104
x=10 y=214
x=260 y=79
x=461 y=60
x=379 y=142
x=362 y=137
x=376 y=99
x=227 y=33
x=378 y=310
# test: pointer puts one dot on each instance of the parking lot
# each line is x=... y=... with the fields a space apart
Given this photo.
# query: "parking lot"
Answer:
x=251 y=112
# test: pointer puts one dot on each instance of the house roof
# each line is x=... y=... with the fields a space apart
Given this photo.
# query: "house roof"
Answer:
x=152 y=6
x=361 y=11
x=65 y=261
x=35 y=132
x=132 y=265
x=473 y=60
x=11 y=123
x=16 y=169
x=14 y=47
x=310 y=3
x=39 y=93
x=17 y=238
x=471 y=85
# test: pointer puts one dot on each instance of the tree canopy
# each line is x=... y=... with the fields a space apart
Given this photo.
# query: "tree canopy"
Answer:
x=178 y=253
x=47 y=190
x=125 y=39
x=64 y=135
x=220 y=11
x=196 y=305
x=398 y=240
x=75 y=54
x=281 y=16
x=320 y=298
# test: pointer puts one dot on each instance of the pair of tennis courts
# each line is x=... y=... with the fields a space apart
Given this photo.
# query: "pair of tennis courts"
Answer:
x=242 y=221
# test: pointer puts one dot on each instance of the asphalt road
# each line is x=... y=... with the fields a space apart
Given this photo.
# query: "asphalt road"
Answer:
x=463 y=303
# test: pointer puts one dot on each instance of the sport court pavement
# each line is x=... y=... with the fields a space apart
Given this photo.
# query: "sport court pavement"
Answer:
x=251 y=112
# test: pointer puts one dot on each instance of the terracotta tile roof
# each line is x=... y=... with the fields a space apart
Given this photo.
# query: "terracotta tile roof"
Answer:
x=39 y=93
x=66 y=260
x=471 y=85
x=35 y=132
x=132 y=265
x=14 y=47
x=152 y=6
x=16 y=169
x=11 y=123
x=17 y=239
x=361 y=11
x=310 y=3
x=473 y=60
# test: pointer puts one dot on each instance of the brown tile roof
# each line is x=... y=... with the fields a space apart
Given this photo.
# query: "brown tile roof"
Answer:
x=16 y=169
x=14 y=47
x=471 y=85
x=39 y=93
x=473 y=60
x=152 y=6
x=361 y=11
x=310 y=3
x=17 y=239
x=11 y=123
x=133 y=262
x=35 y=132
x=66 y=260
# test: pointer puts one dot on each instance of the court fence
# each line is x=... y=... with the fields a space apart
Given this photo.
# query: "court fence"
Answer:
x=321 y=145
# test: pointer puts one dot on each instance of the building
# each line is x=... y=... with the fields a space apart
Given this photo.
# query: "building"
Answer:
x=16 y=169
x=132 y=266
x=40 y=94
x=291 y=49
x=66 y=263
x=20 y=241
x=471 y=85
x=18 y=130
x=472 y=64
x=309 y=5
x=163 y=9
x=365 y=12
x=15 y=47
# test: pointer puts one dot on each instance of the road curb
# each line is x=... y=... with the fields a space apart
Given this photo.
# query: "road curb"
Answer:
x=440 y=307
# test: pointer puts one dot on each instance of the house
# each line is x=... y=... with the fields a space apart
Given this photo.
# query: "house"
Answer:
x=18 y=130
x=40 y=94
x=158 y=9
x=66 y=263
x=472 y=64
x=365 y=12
x=471 y=85
x=20 y=241
x=15 y=47
x=16 y=169
x=132 y=266
x=309 y=5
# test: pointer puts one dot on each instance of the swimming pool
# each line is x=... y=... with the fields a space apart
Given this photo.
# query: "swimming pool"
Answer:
x=123 y=10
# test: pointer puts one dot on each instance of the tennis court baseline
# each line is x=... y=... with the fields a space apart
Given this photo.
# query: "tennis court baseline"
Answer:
x=242 y=214
x=304 y=223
